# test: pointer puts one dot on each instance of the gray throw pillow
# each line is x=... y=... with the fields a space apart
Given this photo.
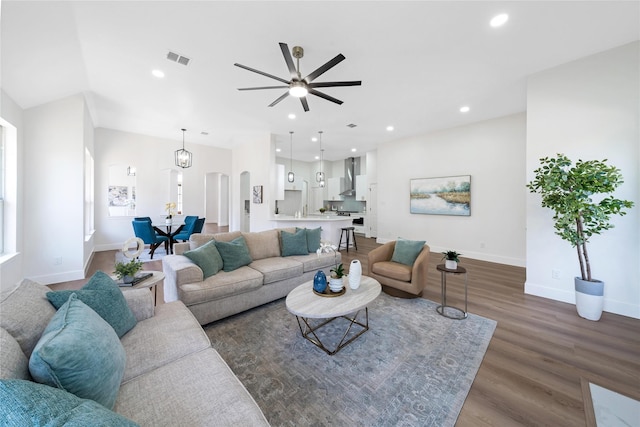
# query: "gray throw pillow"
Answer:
x=235 y=253
x=79 y=352
x=294 y=243
x=103 y=295
x=406 y=251
x=207 y=258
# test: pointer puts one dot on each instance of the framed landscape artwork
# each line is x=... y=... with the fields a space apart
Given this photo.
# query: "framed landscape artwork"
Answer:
x=448 y=195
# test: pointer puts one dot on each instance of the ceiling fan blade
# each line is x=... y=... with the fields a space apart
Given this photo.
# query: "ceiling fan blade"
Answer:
x=262 y=72
x=324 y=68
x=263 y=87
x=305 y=104
x=279 y=99
x=325 y=96
x=289 y=60
x=332 y=84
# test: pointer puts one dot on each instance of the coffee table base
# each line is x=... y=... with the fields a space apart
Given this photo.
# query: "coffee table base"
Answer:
x=309 y=332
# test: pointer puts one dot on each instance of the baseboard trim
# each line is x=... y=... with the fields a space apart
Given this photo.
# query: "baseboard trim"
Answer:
x=67 y=276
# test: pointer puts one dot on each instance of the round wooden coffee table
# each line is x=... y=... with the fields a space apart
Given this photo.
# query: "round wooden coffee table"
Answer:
x=306 y=305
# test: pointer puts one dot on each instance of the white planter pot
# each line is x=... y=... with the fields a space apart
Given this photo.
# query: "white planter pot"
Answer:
x=450 y=264
x=589 y=298
x=168 y=221
x=335 y=284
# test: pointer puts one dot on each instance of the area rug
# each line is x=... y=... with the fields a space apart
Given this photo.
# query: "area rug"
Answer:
x=412 y=368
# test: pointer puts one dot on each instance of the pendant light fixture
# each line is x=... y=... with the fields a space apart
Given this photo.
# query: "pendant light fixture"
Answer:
x=290 y=176
x=183 y=157
x=320 y=175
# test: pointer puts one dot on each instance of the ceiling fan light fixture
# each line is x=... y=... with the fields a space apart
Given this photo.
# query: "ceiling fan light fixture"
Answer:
x=298 y=89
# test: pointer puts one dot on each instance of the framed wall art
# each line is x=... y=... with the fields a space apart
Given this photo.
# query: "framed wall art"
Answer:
x=447 y=195
x=257 y=194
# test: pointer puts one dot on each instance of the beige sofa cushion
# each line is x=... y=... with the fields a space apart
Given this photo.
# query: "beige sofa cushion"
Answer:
x=276 y=269
x=263 y=244
x=313 y=262
x=170 y=334
x=223 y=284
x=25 y=312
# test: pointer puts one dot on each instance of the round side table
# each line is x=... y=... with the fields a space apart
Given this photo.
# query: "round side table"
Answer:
x=443 y=283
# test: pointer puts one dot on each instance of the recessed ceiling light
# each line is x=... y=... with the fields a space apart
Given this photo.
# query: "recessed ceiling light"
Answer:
x=158 y=73
x=389 y=128
x=291 y=116
x=314 y=139
x=499 y=20
x=353 y=150
x=317 y=157
x=465 y=109
x=278 y=150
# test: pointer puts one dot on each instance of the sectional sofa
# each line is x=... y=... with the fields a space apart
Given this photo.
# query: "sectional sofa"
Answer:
x=169 y=374
x=274 y=263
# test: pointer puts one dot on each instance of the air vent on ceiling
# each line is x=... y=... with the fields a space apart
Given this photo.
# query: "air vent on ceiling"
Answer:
x=172 y=56
x=351 y=125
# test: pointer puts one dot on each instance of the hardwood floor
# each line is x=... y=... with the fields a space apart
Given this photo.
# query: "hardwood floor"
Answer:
x=541 y=353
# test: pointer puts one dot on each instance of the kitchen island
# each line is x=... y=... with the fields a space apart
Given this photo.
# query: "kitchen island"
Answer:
x=331 y=224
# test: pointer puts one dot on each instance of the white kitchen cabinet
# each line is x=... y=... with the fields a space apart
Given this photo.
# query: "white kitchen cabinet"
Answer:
x=335 y=186
x=361 y=187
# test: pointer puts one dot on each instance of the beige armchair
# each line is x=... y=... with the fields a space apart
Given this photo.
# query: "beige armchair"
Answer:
x=399 y=279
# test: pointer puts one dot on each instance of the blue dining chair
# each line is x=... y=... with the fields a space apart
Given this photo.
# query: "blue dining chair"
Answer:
x=189 y=219
x=142 y=218
x=145 y=231
x=186 y=231
x=199 y=225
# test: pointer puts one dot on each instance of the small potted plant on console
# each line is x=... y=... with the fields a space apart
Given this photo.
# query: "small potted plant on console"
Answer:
x=451 y=260
x=126 y=271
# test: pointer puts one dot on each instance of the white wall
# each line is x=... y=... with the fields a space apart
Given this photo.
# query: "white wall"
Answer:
x=587 y=109
x=152 y=158
x=493 y=153
x=53 y=190
x=11 y=268
x=255 y=155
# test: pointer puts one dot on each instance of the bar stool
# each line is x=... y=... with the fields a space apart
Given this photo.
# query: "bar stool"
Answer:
x=348 y=232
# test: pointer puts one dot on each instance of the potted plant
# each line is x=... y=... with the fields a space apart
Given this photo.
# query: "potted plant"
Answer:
x=322 y=210
x=451 y=259
x=567 y=189
x=335 y=283
x=127 y=270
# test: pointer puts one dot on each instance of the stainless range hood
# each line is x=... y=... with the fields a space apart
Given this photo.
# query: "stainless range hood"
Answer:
x=351 y=169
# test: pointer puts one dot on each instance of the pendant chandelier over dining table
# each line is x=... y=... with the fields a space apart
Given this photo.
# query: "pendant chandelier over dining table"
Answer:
x=291 y=176
x=183 y=157
x=320 y=175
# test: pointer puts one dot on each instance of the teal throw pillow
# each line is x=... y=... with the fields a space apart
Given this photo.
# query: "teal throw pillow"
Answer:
x=294 y=243
x=207 y=258
x=313 y=238
x=406 y=251
x=25 y=403
x=235 y=253
x=79 y=352
x=103 y=295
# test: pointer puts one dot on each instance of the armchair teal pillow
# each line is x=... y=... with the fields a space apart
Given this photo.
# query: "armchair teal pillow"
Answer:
x=104 y=296
x=25 y=403
x=313 y=238
x=79 y=352
x=207 y=258
x=406 y=251
x=294 y=243
x=235 y=254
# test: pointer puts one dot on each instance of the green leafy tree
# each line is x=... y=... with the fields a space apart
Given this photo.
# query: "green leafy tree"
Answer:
x=567 y=190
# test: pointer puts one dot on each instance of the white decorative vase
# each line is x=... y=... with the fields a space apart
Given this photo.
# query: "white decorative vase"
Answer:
x=450 y=264
x=335 y=284
x=355 y=274
x=589 y=298
x=168 y=221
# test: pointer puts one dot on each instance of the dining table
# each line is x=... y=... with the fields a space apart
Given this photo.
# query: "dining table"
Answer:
x=167 y=229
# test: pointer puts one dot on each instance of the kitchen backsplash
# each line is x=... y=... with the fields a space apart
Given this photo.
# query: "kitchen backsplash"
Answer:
x=349 y=204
